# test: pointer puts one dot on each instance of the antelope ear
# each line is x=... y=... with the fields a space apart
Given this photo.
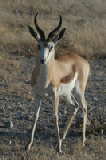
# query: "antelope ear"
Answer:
x=59 y=36
x=33 y=33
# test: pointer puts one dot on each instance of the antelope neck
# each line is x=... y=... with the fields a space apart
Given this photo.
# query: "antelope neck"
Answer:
x=46 y=73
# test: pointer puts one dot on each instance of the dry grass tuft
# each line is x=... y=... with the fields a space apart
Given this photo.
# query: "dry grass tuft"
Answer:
x=9 y=77
x=84 y=20
x=95 y=149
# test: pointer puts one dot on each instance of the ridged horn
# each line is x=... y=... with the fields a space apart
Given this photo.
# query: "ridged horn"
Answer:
x=53 y=33
x=41 y=32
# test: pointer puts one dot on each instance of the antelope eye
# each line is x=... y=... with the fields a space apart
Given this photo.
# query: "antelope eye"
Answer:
x=50 y=49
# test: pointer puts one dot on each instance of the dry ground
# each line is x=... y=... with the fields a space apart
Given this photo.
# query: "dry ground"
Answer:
x=86 y=35
x=17 y=106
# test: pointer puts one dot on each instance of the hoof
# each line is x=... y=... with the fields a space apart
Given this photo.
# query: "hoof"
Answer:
x=27 y=148
x=59 y=146
x=84 y=142
x=59 y=150
x=61 y=153
x=84 y=145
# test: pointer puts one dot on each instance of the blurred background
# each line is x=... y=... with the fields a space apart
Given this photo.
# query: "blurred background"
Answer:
x=85 y=21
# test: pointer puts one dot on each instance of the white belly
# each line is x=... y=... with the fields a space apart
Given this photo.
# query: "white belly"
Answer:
x=65 y=89
x=49 y=91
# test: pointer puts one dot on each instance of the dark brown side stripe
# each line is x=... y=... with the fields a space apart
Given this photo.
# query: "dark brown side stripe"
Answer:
x=70 y=77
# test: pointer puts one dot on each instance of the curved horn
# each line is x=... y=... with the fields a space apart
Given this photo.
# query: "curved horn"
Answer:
x=42 y=35
x=53 y=33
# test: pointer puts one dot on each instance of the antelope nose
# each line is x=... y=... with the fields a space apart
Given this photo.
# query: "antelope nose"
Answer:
x=42 y=61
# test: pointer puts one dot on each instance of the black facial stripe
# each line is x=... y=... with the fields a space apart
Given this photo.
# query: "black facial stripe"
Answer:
x=50 y=49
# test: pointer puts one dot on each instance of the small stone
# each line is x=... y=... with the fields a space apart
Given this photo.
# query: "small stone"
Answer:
x=65 y=111
x=29 y=49
x=88 y=122
x=18 y=103
x=32 y=99
x=10 y=142
x=102 y=132
x=59 y=113
x=7 y=124
x=95 y=99
x=27 y=81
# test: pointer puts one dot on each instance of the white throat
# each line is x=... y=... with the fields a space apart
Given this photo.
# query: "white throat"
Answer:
x=42 y=79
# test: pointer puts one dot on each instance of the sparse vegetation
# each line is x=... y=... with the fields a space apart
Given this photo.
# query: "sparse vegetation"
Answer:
x=86 y=29
x=85 y=22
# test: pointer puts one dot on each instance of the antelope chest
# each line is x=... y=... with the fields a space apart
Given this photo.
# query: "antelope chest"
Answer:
x=43 y=92
x=49 y=90
x=44 y=89
x=64 y=90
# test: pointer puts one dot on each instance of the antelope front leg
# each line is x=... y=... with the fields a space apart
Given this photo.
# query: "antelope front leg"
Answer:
x=37 y=103
x=84 y=120
x=55 y=101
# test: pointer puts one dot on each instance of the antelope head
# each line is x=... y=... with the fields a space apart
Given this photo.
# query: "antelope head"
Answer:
x=46 y=45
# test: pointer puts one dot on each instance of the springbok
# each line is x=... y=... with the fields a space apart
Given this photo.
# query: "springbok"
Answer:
x=58 y=77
